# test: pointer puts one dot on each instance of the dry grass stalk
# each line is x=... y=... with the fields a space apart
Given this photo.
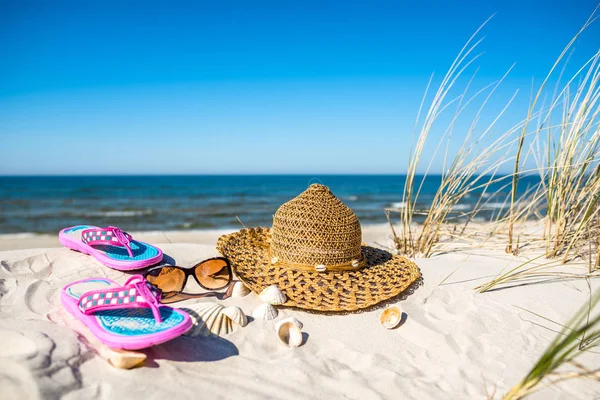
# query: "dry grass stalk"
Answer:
x=598 y=244
x=525 y=272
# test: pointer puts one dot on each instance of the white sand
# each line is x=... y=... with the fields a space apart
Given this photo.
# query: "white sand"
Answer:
x=452 y=344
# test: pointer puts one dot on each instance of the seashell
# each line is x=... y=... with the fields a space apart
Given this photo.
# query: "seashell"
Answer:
x=236 y=315
x=391 y=317
x=239 y=290
x=299 y=324
x=208 y=318
x=224 y=325
x=355 y=263
x=321 y=268
x=265 y=311
x=289 y=333
x=272 y=295
x=274 y=260
x=221 y=326
x=124 y=359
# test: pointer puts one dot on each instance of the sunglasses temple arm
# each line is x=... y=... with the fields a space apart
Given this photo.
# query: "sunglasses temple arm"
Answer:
x=229 y=290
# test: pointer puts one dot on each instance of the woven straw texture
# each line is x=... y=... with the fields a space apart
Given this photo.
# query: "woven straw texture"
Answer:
x=317 y=228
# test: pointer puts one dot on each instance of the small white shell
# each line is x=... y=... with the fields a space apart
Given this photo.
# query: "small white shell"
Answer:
x=274 y=260
x=355 y=263
x=289 y=334
x=265 y=311
x=272 y=295
x=236 y=315
x=391 y=317
x=321 y=268
x=296 y=322
x=239 y=290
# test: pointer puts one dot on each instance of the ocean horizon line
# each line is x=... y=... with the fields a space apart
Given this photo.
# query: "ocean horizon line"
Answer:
x=185 y=202
x=235 y=175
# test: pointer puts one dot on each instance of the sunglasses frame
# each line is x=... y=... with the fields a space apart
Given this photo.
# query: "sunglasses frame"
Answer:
x=190 y=271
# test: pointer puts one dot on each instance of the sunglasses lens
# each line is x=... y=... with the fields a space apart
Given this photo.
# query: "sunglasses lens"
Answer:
x=213 y=274
x=172 y=297
x=167 y=279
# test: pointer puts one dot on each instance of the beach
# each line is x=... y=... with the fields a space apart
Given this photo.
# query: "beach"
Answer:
x=300 y=201
x=452 y=343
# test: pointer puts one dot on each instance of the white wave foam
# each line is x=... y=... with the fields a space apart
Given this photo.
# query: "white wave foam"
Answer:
x=22 y=235
x=497 y=205
x=462 y=207
x=132 y=213
x=398 y=204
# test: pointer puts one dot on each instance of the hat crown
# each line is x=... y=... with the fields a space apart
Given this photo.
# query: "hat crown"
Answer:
x=316 y=228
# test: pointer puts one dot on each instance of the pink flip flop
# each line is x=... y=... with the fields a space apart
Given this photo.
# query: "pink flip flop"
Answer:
x=111 y=246
x=125 y=317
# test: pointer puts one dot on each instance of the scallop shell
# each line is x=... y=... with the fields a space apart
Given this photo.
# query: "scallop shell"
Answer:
x=391 y=317
x=289 y=333
x=265 y=311
x=296 y=322
x=236 y=315
x=239 y=290
x=208 y=318
x=272 y=295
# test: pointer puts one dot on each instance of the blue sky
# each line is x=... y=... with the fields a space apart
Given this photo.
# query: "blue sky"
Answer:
x=251 y=87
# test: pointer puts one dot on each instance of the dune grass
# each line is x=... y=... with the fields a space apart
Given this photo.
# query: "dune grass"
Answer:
x=563 y=137
x=581 y=334
x=565 y=142
x=530 y=113
x=471 y=169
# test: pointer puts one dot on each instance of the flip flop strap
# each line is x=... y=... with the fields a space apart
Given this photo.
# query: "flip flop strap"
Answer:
x=111 y=235
x=137 y=292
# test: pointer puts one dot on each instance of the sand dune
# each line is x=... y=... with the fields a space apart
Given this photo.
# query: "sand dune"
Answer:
x=452 y=343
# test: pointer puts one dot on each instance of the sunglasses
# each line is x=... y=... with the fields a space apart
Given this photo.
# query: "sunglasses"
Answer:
x=212 y=274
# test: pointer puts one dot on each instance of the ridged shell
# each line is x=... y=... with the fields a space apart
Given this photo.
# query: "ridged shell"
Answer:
x=236 y=315
x=239 y=290
x=289 y=333
x=390 y=317
x=265 y=311
x=208 y=318
x=296 y=322
x=272 y=295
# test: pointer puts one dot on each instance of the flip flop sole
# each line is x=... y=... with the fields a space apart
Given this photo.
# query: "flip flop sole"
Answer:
x=122 y=263
x=124 y=329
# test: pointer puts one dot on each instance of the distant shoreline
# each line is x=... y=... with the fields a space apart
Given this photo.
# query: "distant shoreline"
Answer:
x=372 y=234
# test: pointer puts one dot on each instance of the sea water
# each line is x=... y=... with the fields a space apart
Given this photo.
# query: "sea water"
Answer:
x=136 y=203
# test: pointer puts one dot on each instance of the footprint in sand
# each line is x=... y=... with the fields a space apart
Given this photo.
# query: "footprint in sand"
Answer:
x=37 y=357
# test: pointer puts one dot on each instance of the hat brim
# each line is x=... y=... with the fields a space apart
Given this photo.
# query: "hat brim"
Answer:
x=385 y=276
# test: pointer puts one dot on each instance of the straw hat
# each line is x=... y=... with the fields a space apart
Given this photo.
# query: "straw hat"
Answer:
x=313 y=253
